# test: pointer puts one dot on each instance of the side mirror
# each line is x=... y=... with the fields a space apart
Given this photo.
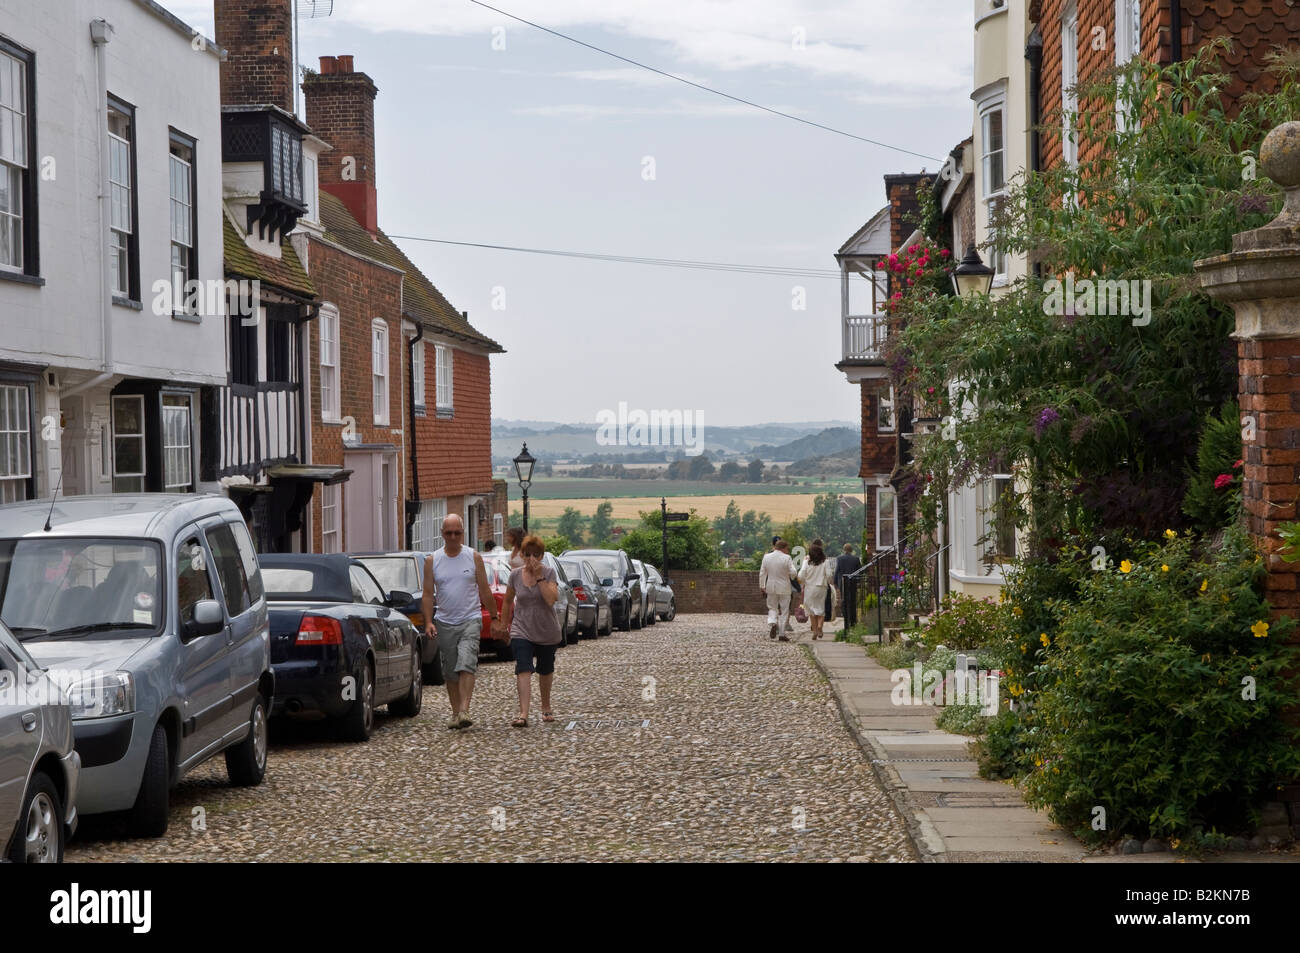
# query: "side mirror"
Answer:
x=607 y=582
x=631 y=577
x=398 y=598
x=207 y=620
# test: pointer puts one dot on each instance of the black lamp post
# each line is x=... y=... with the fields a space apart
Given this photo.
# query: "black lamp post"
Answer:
x=524 y=471
x=972 y=276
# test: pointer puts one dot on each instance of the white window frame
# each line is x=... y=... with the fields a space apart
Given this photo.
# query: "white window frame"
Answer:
x=417 y=374
x=180 y=172
x=1128 y=46
x=379 y=391
x=444 y=379
x=886 y=404
x=498 y=529
x=992 y=196
x=426 y=532
x=311 y=188
x=1069 y=83
x=989 y=491
x=120 y=188
x=14 y=161
x=122 y=474
x=15 y=442
x=178 y=447
x=891 y=520
x=330 y=375
x=331 y=523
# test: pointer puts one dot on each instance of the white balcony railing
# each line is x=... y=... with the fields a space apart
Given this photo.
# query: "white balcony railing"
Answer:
x=863 y=336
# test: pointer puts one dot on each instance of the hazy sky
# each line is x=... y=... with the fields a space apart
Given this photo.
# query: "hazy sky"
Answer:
x=543 y=144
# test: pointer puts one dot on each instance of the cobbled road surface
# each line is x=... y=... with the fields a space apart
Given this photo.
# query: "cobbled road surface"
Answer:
x=744 y=758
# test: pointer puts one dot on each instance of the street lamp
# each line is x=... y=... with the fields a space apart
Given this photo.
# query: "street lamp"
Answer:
x=524 y=471
x=972 y=277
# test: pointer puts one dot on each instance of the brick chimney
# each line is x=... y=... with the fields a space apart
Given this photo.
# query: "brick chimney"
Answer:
x=258 y=38
x=341 y=110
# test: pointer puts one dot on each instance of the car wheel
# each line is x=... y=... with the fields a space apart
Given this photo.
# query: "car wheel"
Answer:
x=149 y=813
x=638 y=620
x=672 y=611
x=650 y=618
x=39 y=837
x=356 y=725
x=432 y=672
x=246 y=761
x=408 y=706
x=609 y=623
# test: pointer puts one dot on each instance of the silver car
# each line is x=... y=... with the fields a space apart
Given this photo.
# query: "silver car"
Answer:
x=39 y=767
x=151 y=608
x=665 y=599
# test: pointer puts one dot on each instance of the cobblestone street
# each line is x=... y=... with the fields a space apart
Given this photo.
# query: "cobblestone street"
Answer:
x=744 y=757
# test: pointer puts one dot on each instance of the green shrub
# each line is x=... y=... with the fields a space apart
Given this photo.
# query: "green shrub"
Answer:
x=892 y=655
x=962 y=719
x=964 y=623
x=1211 y=501
x=1160 y=697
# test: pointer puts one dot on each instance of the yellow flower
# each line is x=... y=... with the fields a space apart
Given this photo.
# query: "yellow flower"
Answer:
x=1170 y=534
x=1225 y=597
x=1164 y=567
x=1017 y=611
x=1205 y=657
x=1045 y=640
x=1205 y=584
x=1260 y=629
x=1024 y=649
x=1126 y=566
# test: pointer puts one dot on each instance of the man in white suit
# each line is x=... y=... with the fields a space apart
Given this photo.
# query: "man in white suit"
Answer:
x=774 y=576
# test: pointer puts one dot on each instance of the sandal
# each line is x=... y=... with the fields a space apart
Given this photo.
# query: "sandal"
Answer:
x=520 y=722
x=548 y=716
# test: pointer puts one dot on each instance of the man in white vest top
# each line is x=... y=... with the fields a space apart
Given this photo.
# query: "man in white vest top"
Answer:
x=460 y=580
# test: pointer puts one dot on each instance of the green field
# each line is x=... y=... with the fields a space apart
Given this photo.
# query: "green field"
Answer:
x=576 y=488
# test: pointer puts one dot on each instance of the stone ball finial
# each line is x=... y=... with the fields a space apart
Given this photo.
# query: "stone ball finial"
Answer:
x=1279 y=156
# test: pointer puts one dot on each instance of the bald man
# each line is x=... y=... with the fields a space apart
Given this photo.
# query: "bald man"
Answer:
x=458 y=575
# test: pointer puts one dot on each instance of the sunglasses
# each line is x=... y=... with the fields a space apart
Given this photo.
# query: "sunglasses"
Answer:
x=453 y=532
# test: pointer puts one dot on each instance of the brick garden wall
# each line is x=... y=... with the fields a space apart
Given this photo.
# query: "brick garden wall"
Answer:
x=717 y=591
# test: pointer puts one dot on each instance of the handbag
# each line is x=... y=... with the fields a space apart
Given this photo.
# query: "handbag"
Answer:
x=800 y=614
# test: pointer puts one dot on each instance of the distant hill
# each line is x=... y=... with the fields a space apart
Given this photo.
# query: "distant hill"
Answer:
x=549 y=441
x=832 y=440
x=842 y=464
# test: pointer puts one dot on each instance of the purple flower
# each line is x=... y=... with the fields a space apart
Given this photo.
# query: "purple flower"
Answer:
x=1048 y=417
x=1252 y=203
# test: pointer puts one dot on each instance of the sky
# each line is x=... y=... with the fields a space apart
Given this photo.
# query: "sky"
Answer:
x=494 y=132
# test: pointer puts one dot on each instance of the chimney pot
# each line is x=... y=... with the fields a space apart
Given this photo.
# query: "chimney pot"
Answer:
x=328 y=64
x=345 y=64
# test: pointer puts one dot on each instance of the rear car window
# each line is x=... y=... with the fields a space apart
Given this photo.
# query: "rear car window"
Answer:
x=296 y=582
x=394 y=572
x=248 y=556
x=230 y=568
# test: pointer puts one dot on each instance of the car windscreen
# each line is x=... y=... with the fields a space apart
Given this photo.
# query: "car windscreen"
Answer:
x=89 y=587
x=607 y=567
x=300 y=583
x=393 y=572
x=498 y=571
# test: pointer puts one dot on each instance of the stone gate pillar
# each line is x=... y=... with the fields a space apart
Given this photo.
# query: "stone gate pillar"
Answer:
x=1260 y=279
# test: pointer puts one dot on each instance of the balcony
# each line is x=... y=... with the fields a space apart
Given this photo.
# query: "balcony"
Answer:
x=863 y=320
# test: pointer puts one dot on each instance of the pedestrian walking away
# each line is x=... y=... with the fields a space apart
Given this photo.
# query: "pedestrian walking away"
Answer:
x=456 y=573
x=816 y=575
x=775 y=574
x=846 y=565
x=529 y=616
x=515 y=539
x=796 y=596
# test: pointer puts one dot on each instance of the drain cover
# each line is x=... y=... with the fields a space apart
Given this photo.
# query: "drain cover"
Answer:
x=586 y=724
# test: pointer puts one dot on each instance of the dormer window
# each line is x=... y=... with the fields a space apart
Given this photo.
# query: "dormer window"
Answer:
x=286 y=162
x=273 y=138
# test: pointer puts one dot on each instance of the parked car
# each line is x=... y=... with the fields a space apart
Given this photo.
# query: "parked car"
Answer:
x=594 y=615
x=566 y=604
x=621 y=581
x=340 y=646
x=647 y=593
x=39 y=765
x=151 y=606
x=665 y=599
x=404 y=572
x=498 y=573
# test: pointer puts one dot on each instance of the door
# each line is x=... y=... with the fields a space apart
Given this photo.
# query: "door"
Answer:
x=387 y=495
x=20 y=738
x=359 y=503
x=367 y=591
x=203 y=682
x=250 y=632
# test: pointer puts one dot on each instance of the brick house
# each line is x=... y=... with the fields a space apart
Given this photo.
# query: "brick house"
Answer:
x=402 y=390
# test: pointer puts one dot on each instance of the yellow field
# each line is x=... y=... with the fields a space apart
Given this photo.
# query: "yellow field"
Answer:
x=782 y=507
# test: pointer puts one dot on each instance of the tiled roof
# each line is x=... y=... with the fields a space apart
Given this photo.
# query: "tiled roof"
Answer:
x=1255 y=28
x=286 y=272
x=421 y=301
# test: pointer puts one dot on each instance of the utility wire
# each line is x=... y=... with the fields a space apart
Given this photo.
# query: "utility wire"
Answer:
x=707 y=89
x=734 y=267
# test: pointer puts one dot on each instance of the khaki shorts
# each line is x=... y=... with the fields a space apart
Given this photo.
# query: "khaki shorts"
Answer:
x=458 y=646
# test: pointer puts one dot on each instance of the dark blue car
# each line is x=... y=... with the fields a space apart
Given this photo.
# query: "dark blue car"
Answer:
x=339 y=646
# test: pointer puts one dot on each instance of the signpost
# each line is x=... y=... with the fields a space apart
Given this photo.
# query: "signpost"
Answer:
x=663 y=528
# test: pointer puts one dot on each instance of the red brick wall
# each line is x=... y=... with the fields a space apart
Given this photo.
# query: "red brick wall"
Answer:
x=256 y=35
x=879 y=451
x=340 y=108
x=456 y=452
x=1255 y=27
x=717 y=591
x=904 y=208
x=362 y=291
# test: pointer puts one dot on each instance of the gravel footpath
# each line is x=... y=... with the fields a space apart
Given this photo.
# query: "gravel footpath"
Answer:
x=744 y=758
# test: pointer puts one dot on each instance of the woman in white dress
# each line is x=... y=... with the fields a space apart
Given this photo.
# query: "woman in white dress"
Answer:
x=817 y=574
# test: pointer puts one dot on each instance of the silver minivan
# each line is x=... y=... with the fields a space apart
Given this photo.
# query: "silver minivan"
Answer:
x=149 y=609
x=38 y=765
